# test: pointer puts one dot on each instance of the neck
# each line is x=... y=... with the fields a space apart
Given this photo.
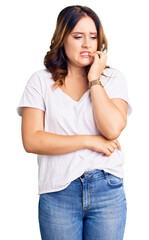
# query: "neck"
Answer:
x=76 y=74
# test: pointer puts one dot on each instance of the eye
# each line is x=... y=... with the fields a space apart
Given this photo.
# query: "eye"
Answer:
x=93 y=37
x=77 y=37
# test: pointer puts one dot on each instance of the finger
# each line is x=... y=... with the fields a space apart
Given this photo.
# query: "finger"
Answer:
x=107 y=153
x=111 y=148
x=101 y=54
x=92 y=54
x=118 y=144
x=98 y=53
x=114 y=145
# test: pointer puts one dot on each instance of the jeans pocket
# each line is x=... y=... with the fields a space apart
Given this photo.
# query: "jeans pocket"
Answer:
x=113 y=180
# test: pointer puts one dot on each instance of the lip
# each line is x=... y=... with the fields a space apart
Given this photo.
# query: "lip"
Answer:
x=85 y=56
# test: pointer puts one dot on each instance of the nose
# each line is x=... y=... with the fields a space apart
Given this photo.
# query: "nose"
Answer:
x=86 y=42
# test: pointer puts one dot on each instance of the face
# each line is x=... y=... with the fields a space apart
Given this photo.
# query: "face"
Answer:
x=80 y=42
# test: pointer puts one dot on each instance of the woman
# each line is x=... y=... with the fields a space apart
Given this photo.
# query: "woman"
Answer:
x=72 y=114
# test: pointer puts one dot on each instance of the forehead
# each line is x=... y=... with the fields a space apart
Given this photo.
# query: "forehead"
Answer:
x=85 y=24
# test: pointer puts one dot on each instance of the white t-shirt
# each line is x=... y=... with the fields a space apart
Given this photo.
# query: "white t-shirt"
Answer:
x=65 y=116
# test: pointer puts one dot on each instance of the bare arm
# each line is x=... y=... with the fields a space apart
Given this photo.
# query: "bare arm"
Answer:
x=110 y=114
x=36 y=140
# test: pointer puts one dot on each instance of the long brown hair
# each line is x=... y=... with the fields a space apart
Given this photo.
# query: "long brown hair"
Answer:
x=56 y=60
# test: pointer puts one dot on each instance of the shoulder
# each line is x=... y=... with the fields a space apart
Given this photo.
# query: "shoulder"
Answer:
x=44 y=73
x=112 y=72
x=112 y=75
x=40 y=77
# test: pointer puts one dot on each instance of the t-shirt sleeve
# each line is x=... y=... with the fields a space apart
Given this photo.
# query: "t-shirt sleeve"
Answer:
x=32 y=95
x=117 y=88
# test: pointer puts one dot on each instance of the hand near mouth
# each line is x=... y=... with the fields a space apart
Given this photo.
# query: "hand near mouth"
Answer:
x=98 y=65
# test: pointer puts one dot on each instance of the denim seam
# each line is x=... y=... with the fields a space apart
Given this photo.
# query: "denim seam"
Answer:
x=95 y=177
x=108 y=180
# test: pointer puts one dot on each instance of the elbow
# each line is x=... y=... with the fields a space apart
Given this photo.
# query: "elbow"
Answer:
x=112 y=135
x=28 y=145
x=115 y=132
x=32 y=143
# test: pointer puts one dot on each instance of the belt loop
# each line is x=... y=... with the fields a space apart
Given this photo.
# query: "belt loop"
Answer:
x=105 y=174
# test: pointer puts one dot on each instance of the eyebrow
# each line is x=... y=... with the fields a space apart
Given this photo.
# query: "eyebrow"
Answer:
x=83 y=33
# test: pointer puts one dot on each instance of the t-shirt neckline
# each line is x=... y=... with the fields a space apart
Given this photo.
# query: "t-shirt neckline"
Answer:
x=69 y=98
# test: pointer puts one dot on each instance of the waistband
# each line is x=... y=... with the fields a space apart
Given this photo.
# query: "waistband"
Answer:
x=88 y=174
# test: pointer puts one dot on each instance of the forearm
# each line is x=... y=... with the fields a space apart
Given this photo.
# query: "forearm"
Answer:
x=108 y=117
x=45 y=143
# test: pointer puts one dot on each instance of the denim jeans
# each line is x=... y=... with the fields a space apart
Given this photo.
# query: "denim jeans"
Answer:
x=92 y=207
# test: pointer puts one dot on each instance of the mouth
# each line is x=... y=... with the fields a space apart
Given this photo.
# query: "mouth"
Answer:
x=85 y=54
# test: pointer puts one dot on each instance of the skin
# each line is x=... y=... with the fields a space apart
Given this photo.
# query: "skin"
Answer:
x=83 y=38
x=110 y=122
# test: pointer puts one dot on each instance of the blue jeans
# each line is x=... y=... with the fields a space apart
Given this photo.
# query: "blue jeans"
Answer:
x=92 y=207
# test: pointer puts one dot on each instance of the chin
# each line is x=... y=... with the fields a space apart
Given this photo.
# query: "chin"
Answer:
x=85 y=64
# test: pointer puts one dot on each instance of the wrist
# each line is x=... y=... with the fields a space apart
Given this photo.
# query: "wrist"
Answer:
x=90 y=79
x=86 y=141
x=94 y=76
x=97 y=81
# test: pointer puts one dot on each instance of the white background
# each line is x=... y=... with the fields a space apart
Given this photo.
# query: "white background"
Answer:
x=26 y=30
